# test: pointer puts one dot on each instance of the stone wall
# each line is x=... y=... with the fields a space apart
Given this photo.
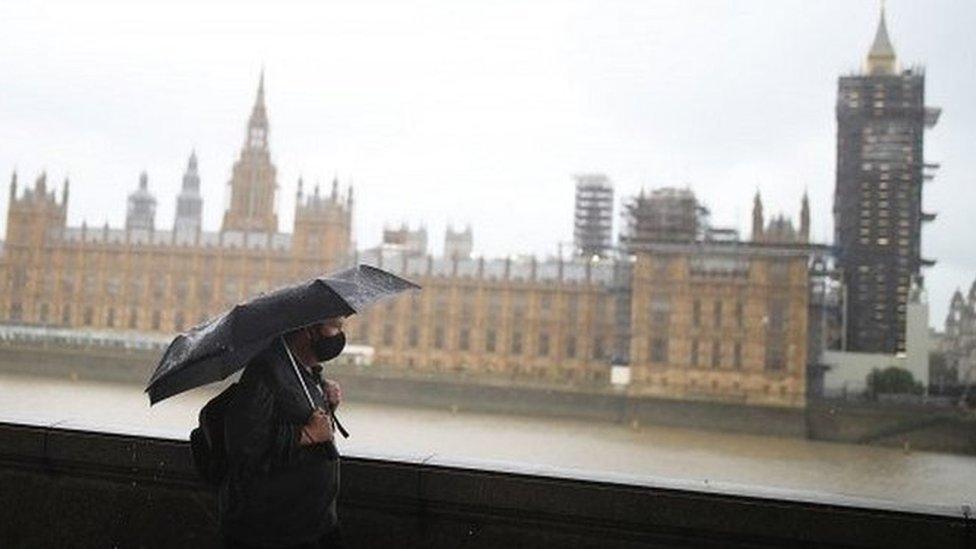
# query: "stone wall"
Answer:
x=61 y=487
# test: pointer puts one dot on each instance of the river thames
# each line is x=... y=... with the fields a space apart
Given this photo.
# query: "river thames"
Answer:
x=696 y=458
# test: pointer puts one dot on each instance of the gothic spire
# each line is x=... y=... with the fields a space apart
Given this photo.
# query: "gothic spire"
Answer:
x=757 y=217
x=881 y=57
x=191 y=177
x=805 y=218
x=259 y=114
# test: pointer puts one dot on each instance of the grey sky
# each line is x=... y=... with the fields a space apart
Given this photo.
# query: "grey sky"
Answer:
x=478 y=112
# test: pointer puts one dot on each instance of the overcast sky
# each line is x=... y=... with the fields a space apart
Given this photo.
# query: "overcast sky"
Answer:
x=478 y=112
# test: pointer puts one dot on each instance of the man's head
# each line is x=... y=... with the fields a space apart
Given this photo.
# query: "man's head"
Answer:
x=319 y=342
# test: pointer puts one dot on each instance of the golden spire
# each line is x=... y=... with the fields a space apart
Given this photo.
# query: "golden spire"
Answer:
x=881 y=57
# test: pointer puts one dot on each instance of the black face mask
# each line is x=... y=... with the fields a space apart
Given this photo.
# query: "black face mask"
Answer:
x=327 y=348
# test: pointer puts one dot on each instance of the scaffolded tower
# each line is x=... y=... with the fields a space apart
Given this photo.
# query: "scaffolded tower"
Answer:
x=881 y=119
x=593 y=228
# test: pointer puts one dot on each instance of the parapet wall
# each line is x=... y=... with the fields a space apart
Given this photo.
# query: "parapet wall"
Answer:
x=70 y=487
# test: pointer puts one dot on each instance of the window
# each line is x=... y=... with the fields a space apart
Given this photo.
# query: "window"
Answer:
x=543 y=344
x=598 y=348
x=660 y=310
x=516 y=343
x=696 y=313
x=570 y=347
x=464 y=339
x=490 y=341
x=716 y=353
x=693 y=358
x=775 y=355
x=659 y=350
x=439 y=337
x=718 y=314
x=739 y=314
x=737 y=356
x=413 y=336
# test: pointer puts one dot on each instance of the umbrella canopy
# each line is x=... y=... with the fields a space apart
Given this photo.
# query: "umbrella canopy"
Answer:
x=223 y=345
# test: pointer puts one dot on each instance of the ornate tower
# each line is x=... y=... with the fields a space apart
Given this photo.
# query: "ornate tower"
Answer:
x=878 y=217
x=189 y=205
x=757 y=218
x=141 y=211
x=458 y=244
x=35 y=225
x=253 y=184
x=805 y=218
x=36 y=217
x=323 y=226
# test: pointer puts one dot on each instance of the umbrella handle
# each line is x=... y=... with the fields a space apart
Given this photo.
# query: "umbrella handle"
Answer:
x=301 y=379
x=308 y=395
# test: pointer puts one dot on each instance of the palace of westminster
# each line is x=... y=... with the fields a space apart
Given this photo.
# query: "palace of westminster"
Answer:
x=695 y=311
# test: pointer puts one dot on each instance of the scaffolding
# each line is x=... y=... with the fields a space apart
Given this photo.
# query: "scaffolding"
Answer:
x=593 y=219
x=666 y=215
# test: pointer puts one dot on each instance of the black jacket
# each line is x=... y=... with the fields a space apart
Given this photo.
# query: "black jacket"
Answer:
x=276 y=492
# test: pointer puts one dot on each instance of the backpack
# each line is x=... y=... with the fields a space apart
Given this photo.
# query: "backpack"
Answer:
x=207 y=440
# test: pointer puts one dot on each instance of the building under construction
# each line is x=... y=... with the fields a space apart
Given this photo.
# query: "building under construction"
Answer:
x=666 y=215
x=593 y=219
x=878 y=216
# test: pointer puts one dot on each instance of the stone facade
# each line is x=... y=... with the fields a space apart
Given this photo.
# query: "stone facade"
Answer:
x=718 y=322
x=146 y=279
x=722 y=322
x=520 y=318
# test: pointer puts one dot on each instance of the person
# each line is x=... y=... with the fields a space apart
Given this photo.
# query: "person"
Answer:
x=282 y=463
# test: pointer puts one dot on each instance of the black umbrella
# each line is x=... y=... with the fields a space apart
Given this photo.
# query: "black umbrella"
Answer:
x=223 y=345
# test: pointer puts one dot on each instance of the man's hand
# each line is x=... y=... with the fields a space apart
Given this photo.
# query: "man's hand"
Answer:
x=333 y=393
x=317 y=429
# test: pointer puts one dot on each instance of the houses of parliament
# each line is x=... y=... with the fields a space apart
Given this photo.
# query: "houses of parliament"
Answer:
x=694 y=313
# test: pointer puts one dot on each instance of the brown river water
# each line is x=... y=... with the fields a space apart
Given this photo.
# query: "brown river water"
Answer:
x=653 y=454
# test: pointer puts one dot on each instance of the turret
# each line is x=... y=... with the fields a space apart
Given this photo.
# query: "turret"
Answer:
x=141 y=211
x=757 y=218
x=189 y=205
x=322 y=225
x=805 y=218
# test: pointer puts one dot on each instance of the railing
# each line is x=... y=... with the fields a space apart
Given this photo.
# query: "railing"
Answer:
x=70 y=485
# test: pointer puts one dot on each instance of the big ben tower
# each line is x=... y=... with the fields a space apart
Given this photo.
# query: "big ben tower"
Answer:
x=878 y=217
x=253 y=184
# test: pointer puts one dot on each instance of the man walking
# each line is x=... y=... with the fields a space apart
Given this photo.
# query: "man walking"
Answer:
x=283 y=466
